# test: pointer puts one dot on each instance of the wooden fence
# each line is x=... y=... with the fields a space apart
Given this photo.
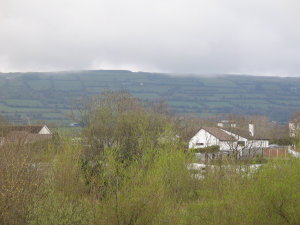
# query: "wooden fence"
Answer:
x=275 y=152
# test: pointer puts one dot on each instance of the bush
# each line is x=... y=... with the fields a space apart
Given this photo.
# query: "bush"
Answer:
x=283 y=141
x=57 y=208
x=232 y=194
x=149 y=191
x=132 y=169
x=156 y=188
x=117 y=119
x=20 y=178
x=209 y=149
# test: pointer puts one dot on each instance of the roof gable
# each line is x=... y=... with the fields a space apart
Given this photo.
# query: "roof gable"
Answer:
x=219 y=133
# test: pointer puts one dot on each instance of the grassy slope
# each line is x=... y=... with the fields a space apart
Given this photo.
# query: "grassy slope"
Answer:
x=47 y=96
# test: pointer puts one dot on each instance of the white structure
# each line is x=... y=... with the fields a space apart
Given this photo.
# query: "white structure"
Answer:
x=226 y=123
x=294 y=129
x=44 y=130
x=251 y=129
x=229 y=139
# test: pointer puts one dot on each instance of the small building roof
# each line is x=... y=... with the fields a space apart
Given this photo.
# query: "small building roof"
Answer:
x=219 y=133
x=32 y=129
x=244 y=133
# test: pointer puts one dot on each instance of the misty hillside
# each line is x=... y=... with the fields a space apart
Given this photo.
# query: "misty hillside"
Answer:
x=47 y=96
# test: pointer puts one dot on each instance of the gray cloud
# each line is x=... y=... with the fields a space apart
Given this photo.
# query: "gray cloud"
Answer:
x=176 y=36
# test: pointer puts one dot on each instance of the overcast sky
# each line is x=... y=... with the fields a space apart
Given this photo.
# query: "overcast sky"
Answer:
x=175 y=36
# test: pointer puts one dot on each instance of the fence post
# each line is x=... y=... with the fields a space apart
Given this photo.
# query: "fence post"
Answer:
x=284 y=152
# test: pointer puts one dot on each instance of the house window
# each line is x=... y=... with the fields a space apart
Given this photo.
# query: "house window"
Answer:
x=201 y=144
x=241 y=143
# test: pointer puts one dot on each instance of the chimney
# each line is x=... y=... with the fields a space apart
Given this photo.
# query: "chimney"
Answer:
x=292 y=129
x=251 y=129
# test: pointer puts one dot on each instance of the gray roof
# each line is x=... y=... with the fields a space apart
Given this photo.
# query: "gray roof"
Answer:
x=244 y=133
x=218 y=133
x=32 y=129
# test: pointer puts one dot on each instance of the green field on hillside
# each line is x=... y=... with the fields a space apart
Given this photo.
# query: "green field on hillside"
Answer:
x=48 y=96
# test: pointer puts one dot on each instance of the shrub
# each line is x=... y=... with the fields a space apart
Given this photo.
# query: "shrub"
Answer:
x=283 y=141
x=58 y=208
x=232 y=194
x=209 y=149
x=20 y=178
x=148 y=191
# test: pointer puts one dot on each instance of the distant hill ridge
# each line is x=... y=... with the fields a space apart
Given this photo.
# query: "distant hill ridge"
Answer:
x=47 y=95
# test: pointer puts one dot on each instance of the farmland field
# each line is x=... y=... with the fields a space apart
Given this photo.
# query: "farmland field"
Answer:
x=48 y=96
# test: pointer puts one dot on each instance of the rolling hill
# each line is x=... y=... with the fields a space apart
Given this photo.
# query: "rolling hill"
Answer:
x=47 y=96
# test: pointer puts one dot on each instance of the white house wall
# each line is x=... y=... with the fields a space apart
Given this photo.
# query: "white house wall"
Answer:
x=45 y=130
x=203 y=137
x=258 y=143
x=208 y=140
x=227 y=145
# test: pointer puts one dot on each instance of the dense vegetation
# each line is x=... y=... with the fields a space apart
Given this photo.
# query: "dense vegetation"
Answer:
x=49 y=96
x=130 y=167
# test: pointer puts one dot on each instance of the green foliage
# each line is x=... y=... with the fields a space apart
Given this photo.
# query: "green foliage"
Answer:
x=130 y=167
x=19 y=182
x=156 y=188
x=231 y=196
x=283 y=141
x=148 y=191
x=209 y=149
x=57 y=208
x=64 y=191
x=259 y=159
x=120 y=121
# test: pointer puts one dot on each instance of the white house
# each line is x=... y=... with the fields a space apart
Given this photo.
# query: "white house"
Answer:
x=229 y=139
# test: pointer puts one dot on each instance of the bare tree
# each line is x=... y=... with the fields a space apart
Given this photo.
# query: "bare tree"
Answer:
x=243 y=144
x=120 y=121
